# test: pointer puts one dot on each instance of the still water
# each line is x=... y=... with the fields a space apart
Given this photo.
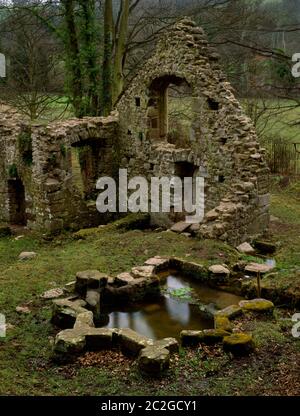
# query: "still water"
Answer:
x=169 y=315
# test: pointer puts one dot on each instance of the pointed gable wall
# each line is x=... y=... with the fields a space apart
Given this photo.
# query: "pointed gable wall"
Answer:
x=223 y=144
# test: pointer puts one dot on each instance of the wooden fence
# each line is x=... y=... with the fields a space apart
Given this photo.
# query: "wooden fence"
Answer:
x=284 y=157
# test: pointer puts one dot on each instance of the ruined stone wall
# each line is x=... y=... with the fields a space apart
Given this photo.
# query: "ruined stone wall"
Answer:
x=52 y=199
x=60 y=204
x=223 y=143
x=13 y=168
x=222 y=147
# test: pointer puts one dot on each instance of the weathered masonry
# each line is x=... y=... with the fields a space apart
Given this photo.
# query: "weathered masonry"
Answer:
x=48 y=174
x=179 y=117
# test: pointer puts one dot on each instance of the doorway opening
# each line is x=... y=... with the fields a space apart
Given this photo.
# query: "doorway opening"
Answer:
x=16 y=201
x=184 y=170
x=85 y=164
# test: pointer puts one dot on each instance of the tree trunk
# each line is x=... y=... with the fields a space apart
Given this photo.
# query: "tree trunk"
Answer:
x=73 y=58
x=107 y=58
x=120 y=48
x=89 y=55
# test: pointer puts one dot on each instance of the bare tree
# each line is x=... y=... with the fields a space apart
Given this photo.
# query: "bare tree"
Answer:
x=34 y=76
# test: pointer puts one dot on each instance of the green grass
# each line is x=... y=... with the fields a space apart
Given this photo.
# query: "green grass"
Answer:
x=275 y=118
x=109 y=250
x=286 y=202
x=59 y=109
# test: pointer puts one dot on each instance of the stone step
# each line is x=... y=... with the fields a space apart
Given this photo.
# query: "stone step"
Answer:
x=259 y=268
x=180 y=227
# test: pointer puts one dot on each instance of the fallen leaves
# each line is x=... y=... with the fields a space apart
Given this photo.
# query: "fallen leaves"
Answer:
x=108 y=359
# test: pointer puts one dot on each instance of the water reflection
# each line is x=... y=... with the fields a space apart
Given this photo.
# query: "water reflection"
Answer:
x=178 y=311
x=202 y=293
x=169 y=316
x=271 y=262
x=133 y=320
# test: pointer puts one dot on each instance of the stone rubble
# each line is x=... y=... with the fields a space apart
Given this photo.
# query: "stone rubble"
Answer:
x=27 y=255
x=246 y=248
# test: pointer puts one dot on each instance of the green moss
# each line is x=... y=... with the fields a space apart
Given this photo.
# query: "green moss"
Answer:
x=83 y=153
x=133 y=222
x=230 y=312
x=239 y=344
x=257 y=305
x=53 y=159
x=238 y=339
x=184 y=293
x=63 y=150
x=86 y=233
x=13 y=171
x=221 y=322
x=267 y=333
x=25 y=147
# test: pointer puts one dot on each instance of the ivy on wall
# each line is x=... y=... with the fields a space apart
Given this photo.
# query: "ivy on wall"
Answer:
x=12 y=171
x=25 y=147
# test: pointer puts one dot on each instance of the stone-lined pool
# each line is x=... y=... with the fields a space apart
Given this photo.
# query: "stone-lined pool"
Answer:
x=185 y=304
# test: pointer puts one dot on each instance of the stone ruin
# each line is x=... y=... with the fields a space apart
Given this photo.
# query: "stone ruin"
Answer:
x=83 y=315
x=44 y=187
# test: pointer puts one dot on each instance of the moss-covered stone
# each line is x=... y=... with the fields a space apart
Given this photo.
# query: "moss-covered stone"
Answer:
x=189 y=338
x=265 y=247
x=212 y=336
x=68 y=344
x=239 y=344
x=191 y=269
x=257 y=305
x=207 y=336
x=231 y=312
x=222 y=322
x=154 y=360
x=138 y=221
x=86 y=233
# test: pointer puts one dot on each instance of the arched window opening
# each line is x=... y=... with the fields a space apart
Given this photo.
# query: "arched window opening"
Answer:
x=170 y=110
